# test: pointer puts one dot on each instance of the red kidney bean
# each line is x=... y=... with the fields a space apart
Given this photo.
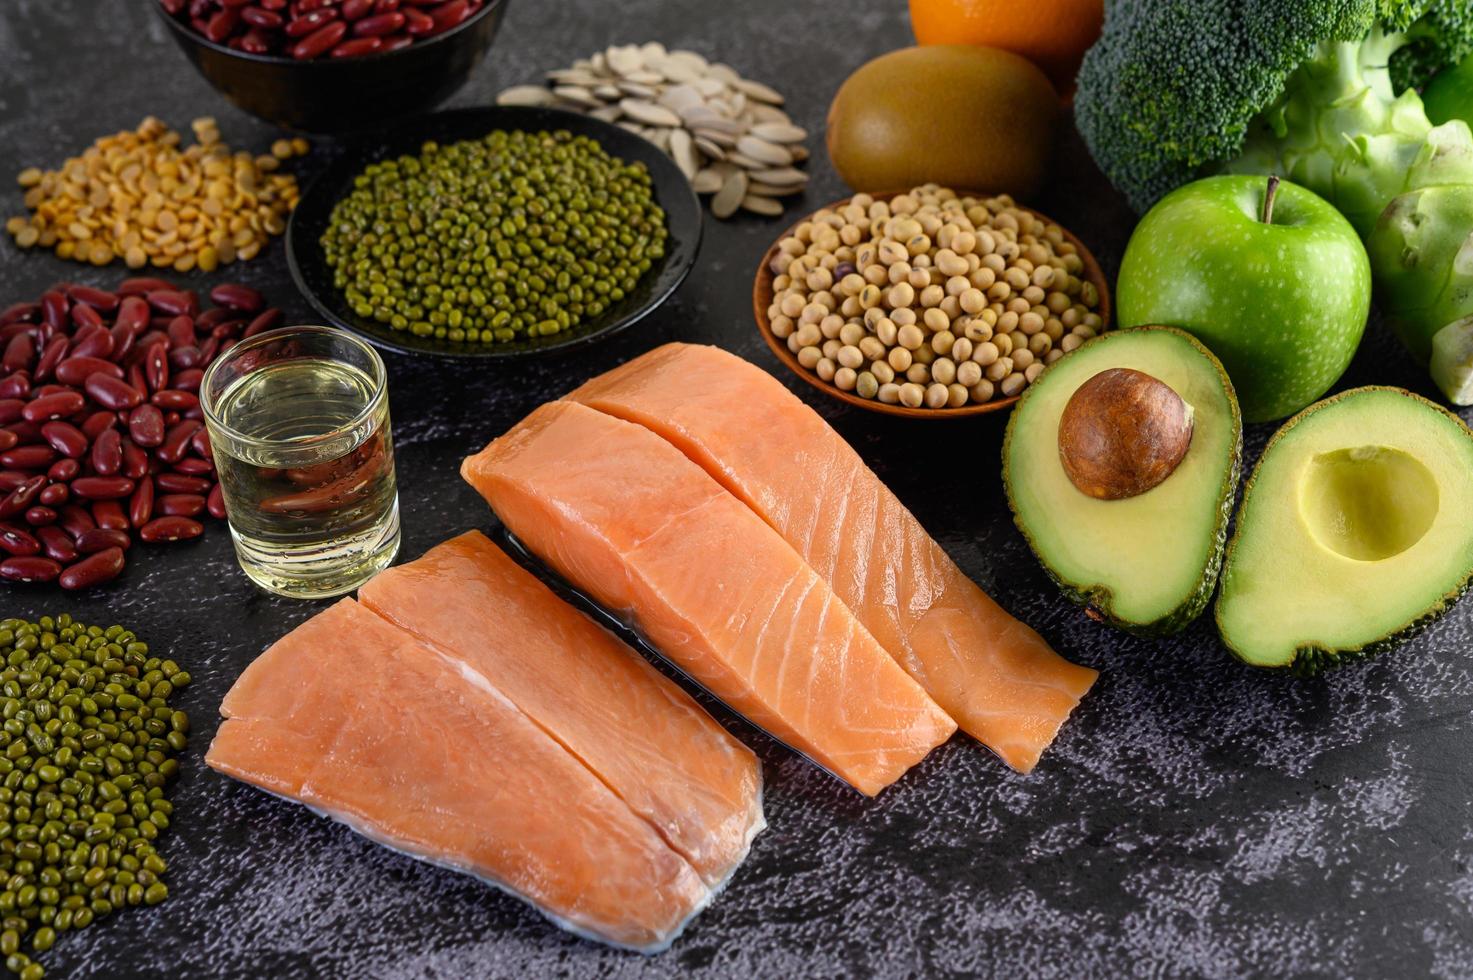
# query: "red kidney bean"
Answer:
x=65 y=438
x=20 y=499
x=194 y=466
x=176 y=441
x=215 y=502
x=146 y=425
x=156 y=366
x=171 y=418
x=31 y=569
x=111 y=393
x=54 y=406
x=180 y=504
x=142 y=285
x=102 y=487
x=8 y=439
x=170 y=529
x=20 y=313
x=189 y=379
x=63 y=471
x=173 y=302
x=101 y=538
x=268 y=320
x=93 y=570
x=54 y=495
x=133 y=313
x=28 y=457
x=11 y=479
x=222 y=24
x=254 y=41
x=140 y=505
x=16 y=541
x=93 y=343
x=110 y=514
x=75 y=519
x=26 y=433
x=384 y=6
x=185 y=357
x=76 y=370
x=239 y=297
x=137 y=380
x=417 y=22
x=58 y=543
x=355 y=9
x=10 y=411
x=135 y=461
x=98 y=299
x=54 y=309
x=180 y=483
x=18 y=385
x=51 y=355
x=320 y=41
x=40 y=516
x=175 y=400
x=97 y=423
x=200 y=443
x=181 y=331
x=395 y=42
x=379 y=25
x=307 y=22
x=85 y=316
x=18 y=353
x=267 y=20
x=451 y=14
x=123 y=341
x=357 y=47
x=217 y=315
x=107 y=453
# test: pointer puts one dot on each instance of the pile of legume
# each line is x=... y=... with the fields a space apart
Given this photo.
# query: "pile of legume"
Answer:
x=305 y=29
x=513 y=235
x=138 y=196
x=929 y=298
x=101 y=432
x=87 y=752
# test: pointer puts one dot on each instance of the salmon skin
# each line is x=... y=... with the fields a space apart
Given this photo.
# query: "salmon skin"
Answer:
x=419 y=751
x=633 y=523
x=653 y=746
x=998 y=678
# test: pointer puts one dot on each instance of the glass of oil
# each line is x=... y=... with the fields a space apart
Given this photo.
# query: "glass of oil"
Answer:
x=299 y=429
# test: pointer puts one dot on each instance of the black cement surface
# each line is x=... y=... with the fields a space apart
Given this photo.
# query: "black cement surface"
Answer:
x=1195 y=817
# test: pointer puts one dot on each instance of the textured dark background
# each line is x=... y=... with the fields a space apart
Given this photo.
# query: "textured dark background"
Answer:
x=1194 y=818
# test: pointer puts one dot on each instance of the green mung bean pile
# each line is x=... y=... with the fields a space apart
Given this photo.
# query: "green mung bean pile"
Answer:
x=87 y=749
x=511 y=236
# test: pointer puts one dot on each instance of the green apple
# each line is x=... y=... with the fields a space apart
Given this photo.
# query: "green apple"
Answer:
x=1267 y=274
x=1450 y=94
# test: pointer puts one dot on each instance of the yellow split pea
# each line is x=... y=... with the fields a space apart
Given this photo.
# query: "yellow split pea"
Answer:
x=141 y=197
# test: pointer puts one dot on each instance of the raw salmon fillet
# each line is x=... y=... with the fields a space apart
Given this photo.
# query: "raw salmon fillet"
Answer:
x=998 y=678
x=626 y=517
x=358 y=720
x=699 y=787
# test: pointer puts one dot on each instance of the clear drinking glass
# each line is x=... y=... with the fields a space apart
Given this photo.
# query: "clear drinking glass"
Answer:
x=299 y=429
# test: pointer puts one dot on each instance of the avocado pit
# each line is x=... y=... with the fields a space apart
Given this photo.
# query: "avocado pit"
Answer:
x=1122 y=433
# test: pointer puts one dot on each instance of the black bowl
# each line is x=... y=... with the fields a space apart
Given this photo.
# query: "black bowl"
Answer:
x=339 y=95
x=311 y=218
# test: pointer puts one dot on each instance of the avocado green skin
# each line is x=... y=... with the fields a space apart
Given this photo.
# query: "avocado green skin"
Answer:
x=1414 y=250
x=1312 y=659
x=1099 y=601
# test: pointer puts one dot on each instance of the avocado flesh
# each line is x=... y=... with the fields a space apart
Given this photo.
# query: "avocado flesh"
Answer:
x=1146 y=564
x=1353 y=532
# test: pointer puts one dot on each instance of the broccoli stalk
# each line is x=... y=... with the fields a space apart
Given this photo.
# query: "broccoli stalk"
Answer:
x=1176 y=89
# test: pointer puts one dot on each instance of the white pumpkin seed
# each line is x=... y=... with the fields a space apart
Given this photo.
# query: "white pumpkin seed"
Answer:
x=574 y=76
x=651 y=51
x=760 y=149
x=654 y=115
x=713 y=150
x=730 y=197
x=683 y=152
x=759 y=91
x=742 y=160
x=721 y=139
x=723 y=73
x=767 y=113
x=678 y=97
x=645 y=77
x=762 y=205
x=609 y=113
x=608 y=92
x=577 y=96
x=624 y=60
x=526 y=95
x=708 y=87
x=637 y=90
x=708 y=180
x=756 y=187
x=780 y=132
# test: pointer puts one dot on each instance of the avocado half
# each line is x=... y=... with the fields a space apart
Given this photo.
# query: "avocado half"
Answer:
x=1354 y=532
x=1148 y=563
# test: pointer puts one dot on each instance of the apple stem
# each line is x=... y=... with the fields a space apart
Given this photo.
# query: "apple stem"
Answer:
x=1268 y=200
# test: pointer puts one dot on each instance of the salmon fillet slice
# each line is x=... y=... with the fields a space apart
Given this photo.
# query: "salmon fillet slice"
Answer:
x=626 y=517
x=998 y=678
x=358 y=720
x=674 y=766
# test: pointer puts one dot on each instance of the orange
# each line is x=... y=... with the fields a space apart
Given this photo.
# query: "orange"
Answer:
x=1053 y=34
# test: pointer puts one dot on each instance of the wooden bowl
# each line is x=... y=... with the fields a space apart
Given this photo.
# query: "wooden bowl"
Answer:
x=762 y=294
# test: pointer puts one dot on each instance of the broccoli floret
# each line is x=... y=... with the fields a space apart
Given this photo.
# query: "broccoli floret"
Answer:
x=1173 y=88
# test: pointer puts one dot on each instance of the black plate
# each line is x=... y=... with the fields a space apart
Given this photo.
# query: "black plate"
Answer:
x=672 y=192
